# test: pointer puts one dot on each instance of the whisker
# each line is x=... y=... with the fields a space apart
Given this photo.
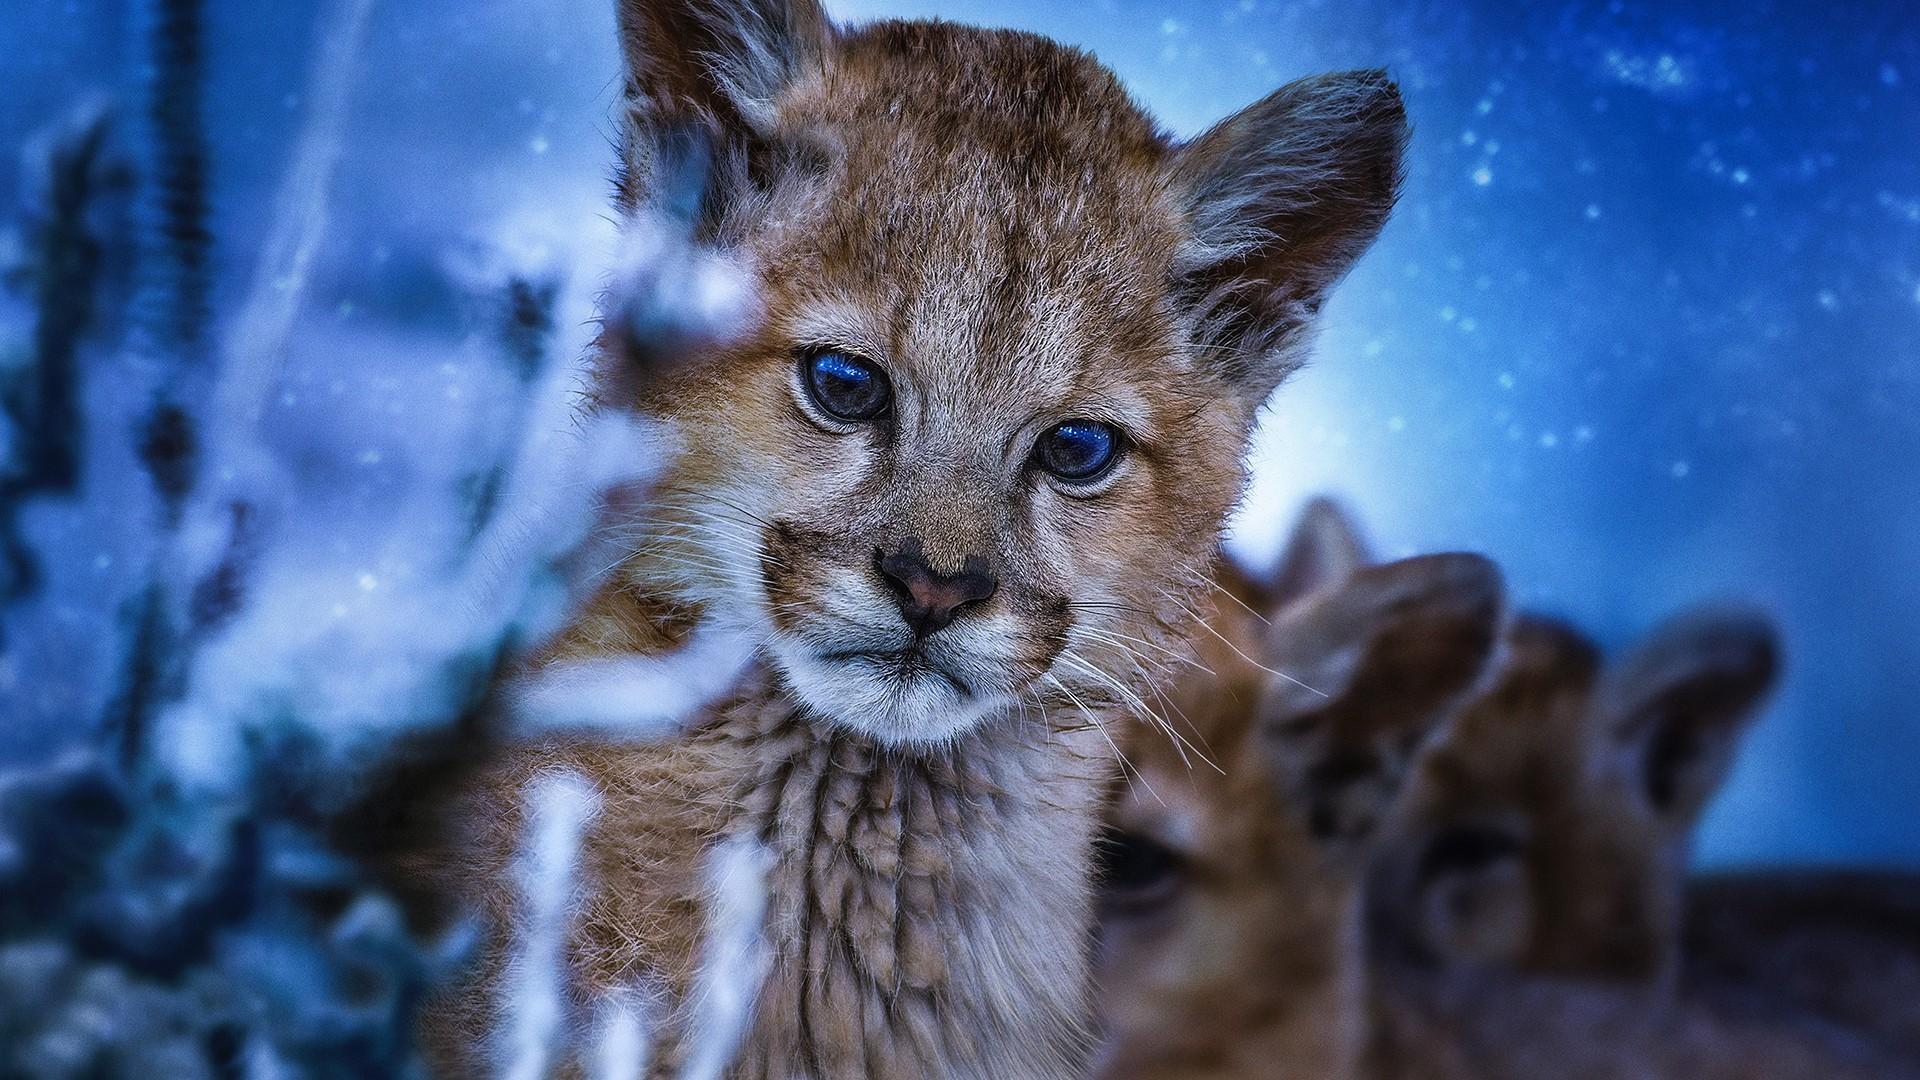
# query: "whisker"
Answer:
x=1277 y=674
x=1115 y=638
x=1152 y=685
x=1126 y=766
x=1181 y=745
x=730 y=504
x=1241 y=604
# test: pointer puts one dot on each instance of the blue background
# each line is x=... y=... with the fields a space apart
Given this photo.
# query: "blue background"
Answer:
x=1644 y=327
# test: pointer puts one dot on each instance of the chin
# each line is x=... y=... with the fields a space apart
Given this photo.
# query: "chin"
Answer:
x=896 y=701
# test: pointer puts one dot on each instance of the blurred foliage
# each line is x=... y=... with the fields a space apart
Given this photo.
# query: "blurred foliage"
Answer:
x=147 y=929
x=140 y=932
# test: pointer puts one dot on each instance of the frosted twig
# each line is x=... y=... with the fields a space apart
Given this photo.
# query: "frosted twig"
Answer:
x=559 y=808
x=257 y=345
x=633 y=695
x=736 y=957
x=624 y=1043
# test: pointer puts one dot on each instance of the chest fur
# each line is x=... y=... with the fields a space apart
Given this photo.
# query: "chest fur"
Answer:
x=924 y=914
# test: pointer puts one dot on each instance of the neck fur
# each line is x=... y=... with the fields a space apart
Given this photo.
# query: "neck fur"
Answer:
x=927 y=910
x=924 y=913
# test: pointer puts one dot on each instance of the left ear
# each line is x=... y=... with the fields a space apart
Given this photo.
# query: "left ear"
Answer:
x=704 y=82
x=1281 y=198
x=1679 y=702
x=1324 y=550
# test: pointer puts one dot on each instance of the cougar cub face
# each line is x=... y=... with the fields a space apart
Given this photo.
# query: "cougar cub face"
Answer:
x=1549 y=831
x=978 y=442
x=1229 y=911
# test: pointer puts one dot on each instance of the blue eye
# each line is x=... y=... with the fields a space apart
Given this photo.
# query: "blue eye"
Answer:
x=1078 y=450
x=847 y=387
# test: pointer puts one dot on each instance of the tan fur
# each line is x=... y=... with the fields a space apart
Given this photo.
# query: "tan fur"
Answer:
x=1494 y=1025
x=896 y=879
x=1549 y=831
x=1246 y=958
x=986 y=217
x=1529 y=909
x=990 y=216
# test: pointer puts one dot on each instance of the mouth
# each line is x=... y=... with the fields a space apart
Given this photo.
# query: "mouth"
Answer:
x=900 y=696
x=902 y=665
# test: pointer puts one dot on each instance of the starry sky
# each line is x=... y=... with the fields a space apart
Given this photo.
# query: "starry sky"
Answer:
x=1645 y=328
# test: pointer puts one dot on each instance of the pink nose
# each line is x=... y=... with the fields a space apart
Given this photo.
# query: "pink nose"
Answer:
x=928 y=599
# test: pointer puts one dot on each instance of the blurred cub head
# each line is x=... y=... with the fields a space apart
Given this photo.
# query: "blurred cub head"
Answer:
x=1233 y=867
x=1549 y=830
x=1009 y=340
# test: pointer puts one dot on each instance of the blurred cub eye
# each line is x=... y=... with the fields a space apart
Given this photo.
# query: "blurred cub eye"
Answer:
x=847 y=387
x=1078 y=451
x=1467 y=849
x=1135 y=871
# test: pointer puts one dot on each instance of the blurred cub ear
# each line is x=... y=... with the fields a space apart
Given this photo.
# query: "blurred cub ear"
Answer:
x=1324 y=549
x=1680 y=701
x=1384 y=659
x=1416 y=633
x=1281 y=198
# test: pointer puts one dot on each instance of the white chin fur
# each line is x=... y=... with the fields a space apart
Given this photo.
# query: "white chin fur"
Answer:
x=898 y=710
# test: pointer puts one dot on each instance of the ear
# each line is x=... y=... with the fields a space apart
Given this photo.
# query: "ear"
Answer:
x=723 y=62
x=1387 y=657
x=1679 y=702
x=704 y=78
x=1324 y=550
x=1420 y=631
x=1281 y=199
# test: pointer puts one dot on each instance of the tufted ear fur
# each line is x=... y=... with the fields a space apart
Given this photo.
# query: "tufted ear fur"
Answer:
x=719 y=61
x=1282 y=197
x=1411 y=635
x=704 y=79
x=1680 y=701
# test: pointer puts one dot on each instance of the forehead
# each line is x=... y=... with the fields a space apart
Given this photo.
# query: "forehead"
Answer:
x=998 y=214
x=1529 y=736
x=1008 y=110
x=1166 y=805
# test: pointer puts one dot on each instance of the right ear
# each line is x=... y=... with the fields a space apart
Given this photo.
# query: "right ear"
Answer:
x=1388 y=656
x=1679 y=702
x=1281 y=198
x=721 y=62
x=1417 y=633
x=704 y=78
x=1324 y=550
